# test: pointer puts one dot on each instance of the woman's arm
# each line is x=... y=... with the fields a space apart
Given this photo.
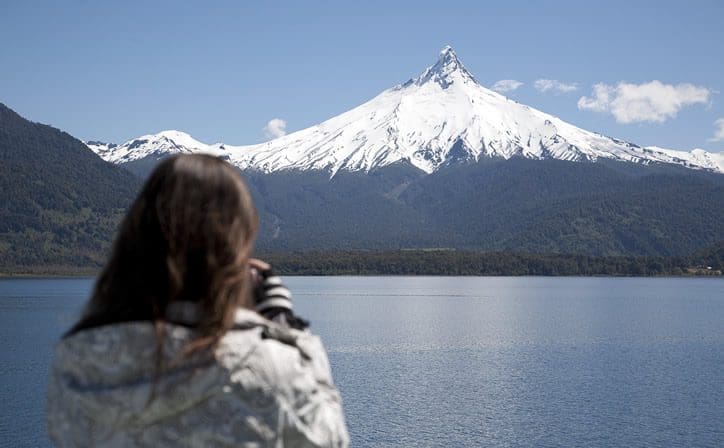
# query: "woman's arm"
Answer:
x=272 y=299
x=310 y=405
x=311 y=411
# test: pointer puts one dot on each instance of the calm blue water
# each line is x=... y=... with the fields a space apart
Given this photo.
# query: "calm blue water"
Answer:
x=440 y=361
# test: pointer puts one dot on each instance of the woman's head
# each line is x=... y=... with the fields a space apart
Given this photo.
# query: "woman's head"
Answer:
x=187 y=237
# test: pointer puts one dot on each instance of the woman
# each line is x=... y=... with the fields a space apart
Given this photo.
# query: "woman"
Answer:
x=174 y=349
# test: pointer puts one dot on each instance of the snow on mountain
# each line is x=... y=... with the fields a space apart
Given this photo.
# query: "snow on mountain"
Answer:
x=443 y=115
x=161 y=144
x=696 y=158
x=104 y=150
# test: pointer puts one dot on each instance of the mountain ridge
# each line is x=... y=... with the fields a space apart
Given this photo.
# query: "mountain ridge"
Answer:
x=61 y=203
x=441 y=116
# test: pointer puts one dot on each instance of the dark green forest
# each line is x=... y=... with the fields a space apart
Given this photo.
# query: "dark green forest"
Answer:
x=450 y=262
x=517 y=205
x=60 y=204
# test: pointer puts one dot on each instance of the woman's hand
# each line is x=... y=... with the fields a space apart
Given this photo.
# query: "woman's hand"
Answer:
x=259 y=265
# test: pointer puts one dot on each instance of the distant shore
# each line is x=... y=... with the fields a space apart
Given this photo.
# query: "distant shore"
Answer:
x=439 y=262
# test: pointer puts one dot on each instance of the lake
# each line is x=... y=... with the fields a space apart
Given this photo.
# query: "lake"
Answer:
x=461 y=361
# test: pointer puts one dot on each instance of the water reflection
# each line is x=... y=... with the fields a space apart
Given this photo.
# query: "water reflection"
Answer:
x=462 y=361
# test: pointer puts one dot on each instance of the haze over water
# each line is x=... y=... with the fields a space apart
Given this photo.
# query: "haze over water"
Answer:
x=451 y=361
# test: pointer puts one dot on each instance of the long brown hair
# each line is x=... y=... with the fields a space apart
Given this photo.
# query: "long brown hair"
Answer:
x=187 y=237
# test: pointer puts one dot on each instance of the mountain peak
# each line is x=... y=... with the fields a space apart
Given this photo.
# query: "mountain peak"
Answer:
x=448 y=56
x=178 y=138
x=172 y=133
x=445 y=71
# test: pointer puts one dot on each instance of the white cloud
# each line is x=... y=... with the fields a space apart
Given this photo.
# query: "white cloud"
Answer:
x=275 y=128
x=506 y=85
x=600 y=100
x=545 y=85
x=719 y=131
x=652 y=101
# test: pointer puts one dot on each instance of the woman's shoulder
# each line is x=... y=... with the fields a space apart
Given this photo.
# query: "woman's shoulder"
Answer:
x=289 y=368
x=277 y=352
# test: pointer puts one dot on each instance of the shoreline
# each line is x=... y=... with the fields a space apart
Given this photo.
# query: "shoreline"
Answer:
x=16 y=276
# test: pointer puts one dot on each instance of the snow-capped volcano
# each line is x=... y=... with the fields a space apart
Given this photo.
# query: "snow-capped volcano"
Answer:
x=443 y=115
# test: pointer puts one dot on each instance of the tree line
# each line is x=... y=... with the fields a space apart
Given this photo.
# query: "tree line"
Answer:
x=453 y=262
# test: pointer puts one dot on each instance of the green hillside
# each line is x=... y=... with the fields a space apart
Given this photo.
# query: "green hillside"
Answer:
x=59 y=203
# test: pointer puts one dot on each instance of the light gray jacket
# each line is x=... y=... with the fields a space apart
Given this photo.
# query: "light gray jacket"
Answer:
x=267 y=386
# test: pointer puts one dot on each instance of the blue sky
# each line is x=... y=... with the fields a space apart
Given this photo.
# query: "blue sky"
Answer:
x=222 y=70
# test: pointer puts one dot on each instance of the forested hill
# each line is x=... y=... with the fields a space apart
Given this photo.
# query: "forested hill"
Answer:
x=516 y=205
x=59 y=202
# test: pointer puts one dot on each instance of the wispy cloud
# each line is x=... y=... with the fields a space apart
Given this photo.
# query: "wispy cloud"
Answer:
x=555 y=86
x=275 y=128
x=506 y=85
x=718 y=131
x=652 y=101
